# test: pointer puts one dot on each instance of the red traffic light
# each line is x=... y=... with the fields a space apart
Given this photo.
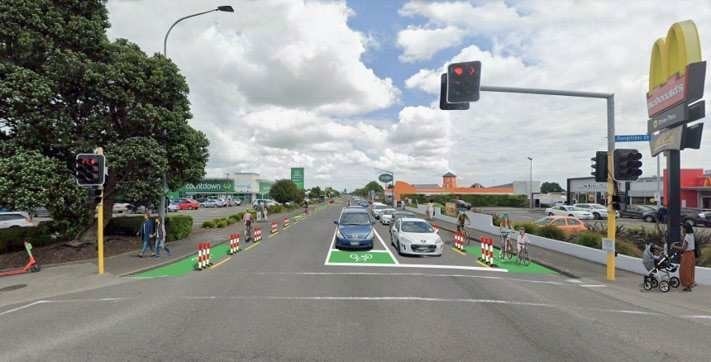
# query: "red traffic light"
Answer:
x=458 y=70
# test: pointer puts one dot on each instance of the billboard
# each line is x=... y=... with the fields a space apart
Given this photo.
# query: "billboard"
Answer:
x=297 y=177
x=208 y=186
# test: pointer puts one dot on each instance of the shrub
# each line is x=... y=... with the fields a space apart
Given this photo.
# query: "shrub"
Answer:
x=209 y=224
x=496 y=219
x=234 y=218
x=627 y=248
x=705 y=258
x=275 y=209
x=178 y=227
x=530 y=227
x=220 y=223
x=229 y=220
x=590 y=239
x=126 y=226
x=551 y=232
x=45 y=233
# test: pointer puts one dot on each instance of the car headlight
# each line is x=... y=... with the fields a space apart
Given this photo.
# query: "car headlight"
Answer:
x=339 y=235
x=371 y=234
x=701 y=215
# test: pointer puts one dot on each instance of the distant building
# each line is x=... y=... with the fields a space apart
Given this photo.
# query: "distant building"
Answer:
x=449 y=186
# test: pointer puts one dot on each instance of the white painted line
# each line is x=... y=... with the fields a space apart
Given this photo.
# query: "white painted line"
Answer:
x=697 y=316
x=413 y=274
x=330 y=248
x=576 y=281
x=22 y=307
x=385 y=246
x=593 y=286
x=422 y=266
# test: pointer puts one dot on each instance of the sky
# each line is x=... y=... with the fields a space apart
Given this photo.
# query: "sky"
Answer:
x=348 y=88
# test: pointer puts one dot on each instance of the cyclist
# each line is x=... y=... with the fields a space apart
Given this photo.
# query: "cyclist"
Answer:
x=306 y=207
x=247 y=220
x=522 y=242
x=461 y=219
x=505 y=230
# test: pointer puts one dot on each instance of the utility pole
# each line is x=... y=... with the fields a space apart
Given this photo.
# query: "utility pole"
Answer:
x=100 y=223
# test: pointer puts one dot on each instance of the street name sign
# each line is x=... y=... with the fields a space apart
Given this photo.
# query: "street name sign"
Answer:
x=632 y=138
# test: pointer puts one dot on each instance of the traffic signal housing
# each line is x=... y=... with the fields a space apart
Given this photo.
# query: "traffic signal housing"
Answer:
x=627 y=164
x=463 y=82
x=443 y=105
x=89 y=169
x=599 y=166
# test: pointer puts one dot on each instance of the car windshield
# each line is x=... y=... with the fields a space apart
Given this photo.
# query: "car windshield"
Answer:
x=416 y=227
x=388 y=212
x=354 y=218
x=577 y=209
x=543 y=221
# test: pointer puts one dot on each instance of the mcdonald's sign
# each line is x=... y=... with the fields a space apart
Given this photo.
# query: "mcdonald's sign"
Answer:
x=676 y=71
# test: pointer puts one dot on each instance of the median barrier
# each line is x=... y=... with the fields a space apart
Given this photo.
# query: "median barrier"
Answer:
x=459 y=241
x=275 y=227
x=487 y=250
x=484 y=223
x=203 y=258
x=257 y=234
x=234 y=244
x=286 y=222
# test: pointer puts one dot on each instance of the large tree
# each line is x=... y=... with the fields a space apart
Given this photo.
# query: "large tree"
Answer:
x=65 y=89
x=547 y=187
x=286 y=191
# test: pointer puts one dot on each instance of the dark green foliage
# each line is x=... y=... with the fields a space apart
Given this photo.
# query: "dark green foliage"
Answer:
x=547 y=187
x=178 y=227
x=46 y=233
x=220 y=223
x=286 y=191
x=275 y=209
x=126 y=226
x=530 y=227
x=551 y=232
x=208 y=224
x=589 y=238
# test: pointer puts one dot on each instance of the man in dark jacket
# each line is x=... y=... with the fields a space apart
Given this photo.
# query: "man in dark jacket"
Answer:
x=145 y=233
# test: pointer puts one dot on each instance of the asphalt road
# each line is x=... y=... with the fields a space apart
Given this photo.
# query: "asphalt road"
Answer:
x=278 y=301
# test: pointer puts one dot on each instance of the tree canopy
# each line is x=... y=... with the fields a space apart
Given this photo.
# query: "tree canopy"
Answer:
x=370 y=186
x=286 y=191
x=547 y=187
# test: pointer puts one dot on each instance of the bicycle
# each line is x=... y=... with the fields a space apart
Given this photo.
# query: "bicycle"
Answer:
x=506 y=252
x=248 y=233
x=522 y=255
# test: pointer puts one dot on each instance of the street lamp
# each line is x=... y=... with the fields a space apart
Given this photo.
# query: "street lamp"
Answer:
x=223 y=8
x=530 y=182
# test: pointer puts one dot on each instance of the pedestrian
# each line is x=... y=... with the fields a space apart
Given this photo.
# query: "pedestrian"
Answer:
x=430 y=211
x=247 y=221
x=145 y=233
x=688 y=258
x=265 y=211
x=160 y=238
x=306 y=207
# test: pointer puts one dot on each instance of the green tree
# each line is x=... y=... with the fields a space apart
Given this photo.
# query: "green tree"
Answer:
x=65 y=89
x=286 y=191
x=547 y=187
x=315 y=192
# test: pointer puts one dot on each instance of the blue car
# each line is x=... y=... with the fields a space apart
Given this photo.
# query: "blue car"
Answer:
x=355 y=229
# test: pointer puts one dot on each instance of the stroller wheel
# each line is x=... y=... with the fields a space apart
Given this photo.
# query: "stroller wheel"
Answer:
x=647 y=284
x=655 y=282
x=674 y=282
x=664 y=286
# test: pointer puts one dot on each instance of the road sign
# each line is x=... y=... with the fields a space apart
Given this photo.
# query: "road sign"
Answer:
x=666 y=140
x=632 y=138
x=297 y=177
x=385 y=177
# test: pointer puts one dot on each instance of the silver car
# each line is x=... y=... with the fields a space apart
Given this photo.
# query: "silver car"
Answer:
x=416 y=237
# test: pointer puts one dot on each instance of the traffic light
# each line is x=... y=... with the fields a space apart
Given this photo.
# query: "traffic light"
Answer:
x=599 y=166
x=443 y=105
x=89 y=169
x=463 y=82
x=627 y=164
x=616 y=202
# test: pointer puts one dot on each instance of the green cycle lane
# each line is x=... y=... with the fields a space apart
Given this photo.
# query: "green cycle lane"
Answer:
x=361 y=257
x=185 y=265
x=511 y=265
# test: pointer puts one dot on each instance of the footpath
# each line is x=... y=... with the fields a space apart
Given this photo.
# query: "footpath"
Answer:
x=82 y=275
x=626 y=286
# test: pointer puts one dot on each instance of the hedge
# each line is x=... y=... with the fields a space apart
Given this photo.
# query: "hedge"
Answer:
x=275 y=209
x=551 y=232
x=176 y=226
x=209 y=224
x=45 y=233
x=589 y=239
x=530 y=227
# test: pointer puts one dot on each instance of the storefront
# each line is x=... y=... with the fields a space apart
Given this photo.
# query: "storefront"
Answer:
x=221 y=188
x=587 y=190
x=695 y=188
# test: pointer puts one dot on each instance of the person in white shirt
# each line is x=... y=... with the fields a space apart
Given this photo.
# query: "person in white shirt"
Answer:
x=688 y=258
x=521 y=239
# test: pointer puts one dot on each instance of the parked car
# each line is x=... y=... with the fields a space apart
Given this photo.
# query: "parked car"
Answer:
x=188 y=204
x=415 y=236
x=386 y=216
x=122 y=208
x=355 y=229
x=210 y=203
x=12 y=219
x=644 y=212
x=173 y=206
x=569 y=225
x=267 y=202
x=233 y=202
x=696 y=217
x=567 y=210
x=598 y=211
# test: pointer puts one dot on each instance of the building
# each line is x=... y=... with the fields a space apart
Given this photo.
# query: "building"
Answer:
x=245 y=186
x=695 y=189
x=450 y=186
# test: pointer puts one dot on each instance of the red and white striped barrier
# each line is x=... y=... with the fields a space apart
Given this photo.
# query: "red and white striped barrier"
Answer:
x=286 y=222
x=203 y=258
x=487 y=250
x=234 y=244
x=257 y=234
x=275 y=227
x=459 y=241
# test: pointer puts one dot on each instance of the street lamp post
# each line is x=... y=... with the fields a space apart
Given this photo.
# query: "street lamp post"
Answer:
x=224 y=8
x=530 y=183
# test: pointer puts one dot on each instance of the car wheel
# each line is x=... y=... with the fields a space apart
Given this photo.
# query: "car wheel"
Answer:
x=571 y=215
x=597 y=216
x=550 y=214
x=648 y=219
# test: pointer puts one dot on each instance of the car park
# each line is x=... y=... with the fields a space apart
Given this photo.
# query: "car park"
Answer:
x=567 y=210
x=598 y=211
x=188 y=204
x=13 y=219
x=569 y=225
x=386 y=216
x=355 y=229
x=415 y=236
x=210 y=203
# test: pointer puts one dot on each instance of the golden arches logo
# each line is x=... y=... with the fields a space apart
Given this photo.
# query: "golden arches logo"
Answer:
x=668 y=66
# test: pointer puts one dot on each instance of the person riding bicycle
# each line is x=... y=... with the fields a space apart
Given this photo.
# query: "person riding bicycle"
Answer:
x=247 y=220
x=521 y=240
x=461 y=219
x=306 y=207
x=506 y=230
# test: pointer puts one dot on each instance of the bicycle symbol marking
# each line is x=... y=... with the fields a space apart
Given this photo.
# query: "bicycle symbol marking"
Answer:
x=361 y=258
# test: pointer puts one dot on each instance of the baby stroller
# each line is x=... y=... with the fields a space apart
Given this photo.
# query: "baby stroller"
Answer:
x=660 y=269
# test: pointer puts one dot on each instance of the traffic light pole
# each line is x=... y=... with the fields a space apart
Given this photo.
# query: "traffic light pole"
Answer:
x=100 y=223
x=610 y=98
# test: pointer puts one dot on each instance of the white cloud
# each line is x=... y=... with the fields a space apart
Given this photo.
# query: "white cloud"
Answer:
x=421 y=43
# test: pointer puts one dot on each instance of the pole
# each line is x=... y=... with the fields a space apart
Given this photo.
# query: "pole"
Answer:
x=100 y=224
x=530 y=183
x=659 y=183
x=674 y=202
x=611 y=215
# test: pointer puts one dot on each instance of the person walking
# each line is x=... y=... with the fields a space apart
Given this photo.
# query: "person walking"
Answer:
x=688 y=258
x=145 y=233
x=265 y=212
x=160 y=238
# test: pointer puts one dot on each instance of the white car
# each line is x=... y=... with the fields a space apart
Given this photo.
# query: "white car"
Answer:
x=122 y=208
x=598 y=211
x=386 y=216
x=567 y=210
x=416 y=237
x=15 y=219
x=377 y=208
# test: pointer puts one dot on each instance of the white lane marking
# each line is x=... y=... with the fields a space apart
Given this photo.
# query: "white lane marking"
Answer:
x=593 y=285
x=426 y=275
x=696 y=316
x=330 y=248
x=16 y=309
x=423 y=266
x=576 y=281
x=385 y=246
